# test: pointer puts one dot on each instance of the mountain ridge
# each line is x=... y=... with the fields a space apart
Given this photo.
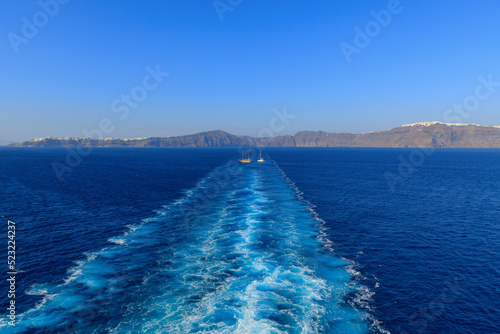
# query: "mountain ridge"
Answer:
x=416 y=135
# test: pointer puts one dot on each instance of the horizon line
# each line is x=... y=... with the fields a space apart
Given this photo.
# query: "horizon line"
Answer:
x=7 y=142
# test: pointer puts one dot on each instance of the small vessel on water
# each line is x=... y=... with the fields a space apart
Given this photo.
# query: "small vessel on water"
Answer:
x=260 y=157
x=245 y=157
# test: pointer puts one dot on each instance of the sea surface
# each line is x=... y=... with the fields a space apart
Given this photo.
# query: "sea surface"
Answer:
x=313 y=240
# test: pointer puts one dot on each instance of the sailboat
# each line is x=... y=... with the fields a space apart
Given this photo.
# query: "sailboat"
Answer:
x=260 y=157
x=245 y=157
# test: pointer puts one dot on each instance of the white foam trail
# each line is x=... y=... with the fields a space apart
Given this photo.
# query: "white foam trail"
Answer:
x=118 y=241
x=363 y=296
x=249 y=258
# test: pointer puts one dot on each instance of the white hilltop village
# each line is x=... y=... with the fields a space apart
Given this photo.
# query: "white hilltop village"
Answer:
x=449 y=124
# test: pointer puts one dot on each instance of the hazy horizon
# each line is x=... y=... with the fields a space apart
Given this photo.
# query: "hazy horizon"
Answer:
x=5 y=142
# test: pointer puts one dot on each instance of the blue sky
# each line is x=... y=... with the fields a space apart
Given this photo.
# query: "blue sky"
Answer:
x=231 y=74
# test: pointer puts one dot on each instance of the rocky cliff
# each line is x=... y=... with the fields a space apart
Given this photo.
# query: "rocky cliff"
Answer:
x=426 y=134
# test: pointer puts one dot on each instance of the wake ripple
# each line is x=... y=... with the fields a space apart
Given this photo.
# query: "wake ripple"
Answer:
x=239 y=253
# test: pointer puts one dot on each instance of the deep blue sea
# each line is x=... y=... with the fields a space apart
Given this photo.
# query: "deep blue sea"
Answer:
x=313 y=240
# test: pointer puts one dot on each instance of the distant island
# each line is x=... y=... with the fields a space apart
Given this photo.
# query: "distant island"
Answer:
x=421 y=135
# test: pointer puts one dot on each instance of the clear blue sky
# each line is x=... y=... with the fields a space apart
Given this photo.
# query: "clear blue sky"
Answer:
x=230 y=74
